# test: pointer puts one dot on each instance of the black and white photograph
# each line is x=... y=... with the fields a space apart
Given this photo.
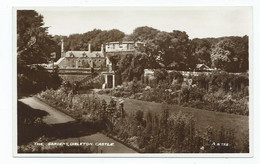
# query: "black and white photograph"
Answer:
x=133 y=81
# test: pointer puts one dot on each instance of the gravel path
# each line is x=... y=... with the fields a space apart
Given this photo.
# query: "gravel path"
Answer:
x=54 y=117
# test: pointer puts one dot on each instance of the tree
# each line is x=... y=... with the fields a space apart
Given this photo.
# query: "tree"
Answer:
x=143 y=34
x=32 y=79
x=34 y=45
x=160 y=75
x=125 y=67
x=96 y=37
x=163 y=46
x=181 y=50
x=114 y=59
x=222 y=55
x=225 y=53
x=169 y=50
x=201 y=50
x=241 y=53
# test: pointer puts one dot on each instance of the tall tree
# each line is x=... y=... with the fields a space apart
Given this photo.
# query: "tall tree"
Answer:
x=181 y=49
x=107 y=36
x=170 y=50
x=96 y=37
x=34 y=45
x=241 y=53
x=222 y=55
x=143 y=34
x=201 y=49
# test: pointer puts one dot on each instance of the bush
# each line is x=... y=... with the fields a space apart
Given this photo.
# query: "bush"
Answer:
x=33 y=79
x=175 y=76
x=225 y=103
x=136 y=86
x=160 y=75
x=196 y=94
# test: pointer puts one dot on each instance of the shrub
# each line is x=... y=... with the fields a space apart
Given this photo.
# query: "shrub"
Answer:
x=33 y=79
x=202 y=81
x=175 y=76
x=196 y=94
x=160 y=74
x=136 y=86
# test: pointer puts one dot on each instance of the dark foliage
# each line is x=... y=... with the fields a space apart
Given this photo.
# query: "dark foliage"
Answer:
x=34 y=46
x=34 y=78
x=96 y=37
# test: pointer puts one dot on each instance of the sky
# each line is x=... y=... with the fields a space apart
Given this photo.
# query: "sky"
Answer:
x=197 y=22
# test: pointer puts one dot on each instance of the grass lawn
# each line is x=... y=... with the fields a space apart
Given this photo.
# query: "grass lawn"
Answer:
x=203 y=118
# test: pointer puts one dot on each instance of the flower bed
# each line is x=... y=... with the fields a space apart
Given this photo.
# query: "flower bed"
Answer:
x=215 y=94
x=144 y=132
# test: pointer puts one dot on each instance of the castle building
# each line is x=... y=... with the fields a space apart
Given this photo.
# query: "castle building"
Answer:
x=82 y=59
x=99 y=60
x=120 y=47
x=95 y=59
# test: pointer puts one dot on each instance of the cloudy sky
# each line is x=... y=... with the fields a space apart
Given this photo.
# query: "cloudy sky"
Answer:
x=198 y=22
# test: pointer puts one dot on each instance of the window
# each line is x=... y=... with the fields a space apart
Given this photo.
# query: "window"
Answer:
x=71 y=54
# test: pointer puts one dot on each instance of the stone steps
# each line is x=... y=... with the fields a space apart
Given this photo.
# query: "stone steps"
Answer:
x=86 y=81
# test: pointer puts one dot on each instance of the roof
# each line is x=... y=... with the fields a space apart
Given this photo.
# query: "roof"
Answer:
x=84 y=54
x=124 y=42
x=200 y=65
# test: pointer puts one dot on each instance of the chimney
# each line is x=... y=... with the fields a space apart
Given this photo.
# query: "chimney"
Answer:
x=102 y=48
x=62 y=46
x=89 y=47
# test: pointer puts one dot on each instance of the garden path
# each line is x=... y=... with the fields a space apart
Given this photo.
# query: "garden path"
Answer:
x=54 y=117
x=60 y=121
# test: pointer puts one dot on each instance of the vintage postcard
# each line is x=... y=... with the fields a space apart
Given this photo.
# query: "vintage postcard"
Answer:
x=132 y=81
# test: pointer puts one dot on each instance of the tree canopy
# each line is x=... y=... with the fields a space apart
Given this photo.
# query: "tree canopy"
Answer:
x=34 y=45
x=168 y=49
x=96 y=37
x=231 y=54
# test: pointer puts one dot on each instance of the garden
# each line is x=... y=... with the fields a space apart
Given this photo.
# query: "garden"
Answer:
x=219 y=91
x=145 y=132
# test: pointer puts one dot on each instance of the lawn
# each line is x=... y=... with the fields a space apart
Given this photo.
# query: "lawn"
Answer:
x=203 y=118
